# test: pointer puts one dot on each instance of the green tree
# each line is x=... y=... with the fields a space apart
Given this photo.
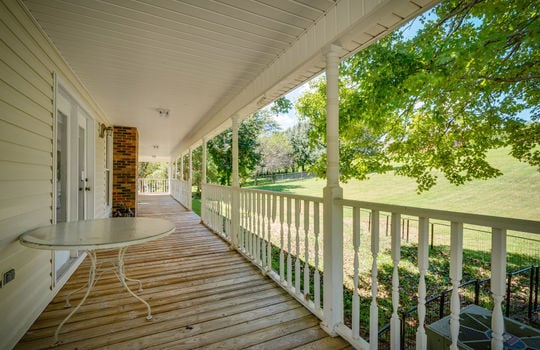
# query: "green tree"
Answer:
x=276 y=153
x=303 y=152
x=153 y=170
x=249 y=130
x=281 y=105
x=437 y=102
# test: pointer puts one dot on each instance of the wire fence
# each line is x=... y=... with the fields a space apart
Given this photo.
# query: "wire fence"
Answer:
x=523 y=249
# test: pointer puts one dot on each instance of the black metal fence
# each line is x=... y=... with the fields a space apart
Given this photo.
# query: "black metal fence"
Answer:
x=521 y=302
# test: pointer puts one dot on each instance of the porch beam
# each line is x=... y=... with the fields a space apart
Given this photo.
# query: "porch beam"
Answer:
x=333 y=212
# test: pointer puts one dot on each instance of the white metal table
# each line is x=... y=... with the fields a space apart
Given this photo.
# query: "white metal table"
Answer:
x=94 y=235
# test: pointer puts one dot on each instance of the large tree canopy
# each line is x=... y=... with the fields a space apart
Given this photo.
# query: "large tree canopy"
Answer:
x=435 y=103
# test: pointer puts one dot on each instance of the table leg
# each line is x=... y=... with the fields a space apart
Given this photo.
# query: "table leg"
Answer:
x=123 y=278
x=91 y=279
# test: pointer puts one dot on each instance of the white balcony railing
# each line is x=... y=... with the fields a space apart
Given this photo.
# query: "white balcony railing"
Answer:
x=181 y=191
x=281 y=234
x=149 y=186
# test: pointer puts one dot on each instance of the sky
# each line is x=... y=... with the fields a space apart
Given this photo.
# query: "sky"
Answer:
x=285 y=121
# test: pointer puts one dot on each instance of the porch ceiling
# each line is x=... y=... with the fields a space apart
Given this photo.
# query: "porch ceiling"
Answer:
x=201 y=59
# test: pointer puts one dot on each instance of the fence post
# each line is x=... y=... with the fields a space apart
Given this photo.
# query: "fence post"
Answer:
x=432 y=234
x=441 y=304
x=476 y=292
x=508 y=295
x=531 y=290
x=536 y=287
x=408 y=222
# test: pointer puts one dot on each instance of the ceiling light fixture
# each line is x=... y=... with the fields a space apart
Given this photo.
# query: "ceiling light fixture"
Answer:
x=163 y=112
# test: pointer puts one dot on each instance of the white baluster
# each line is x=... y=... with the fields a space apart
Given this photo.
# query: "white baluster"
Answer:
x=498 y=285
x=356 y=296
x=316 y=231
x=251 y=226
x=306 y=250
x=396 y=256
x=258 y=231
x=374 y=308
x=456 y=266
x=297 y=207
x=281 y=241
x=242 y=232
x=271 y=205
x=423 y=264
x=263 y=237
x=289 y=247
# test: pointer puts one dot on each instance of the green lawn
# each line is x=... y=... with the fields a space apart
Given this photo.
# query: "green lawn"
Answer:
x=515 y=194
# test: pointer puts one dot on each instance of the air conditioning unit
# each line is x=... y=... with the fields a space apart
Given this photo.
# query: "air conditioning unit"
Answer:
x=475 y=332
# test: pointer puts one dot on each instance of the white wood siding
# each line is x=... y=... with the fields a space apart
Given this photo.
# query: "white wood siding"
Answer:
x=27 y=63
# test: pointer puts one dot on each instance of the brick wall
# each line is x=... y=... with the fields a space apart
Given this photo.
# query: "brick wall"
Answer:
x=125 y=159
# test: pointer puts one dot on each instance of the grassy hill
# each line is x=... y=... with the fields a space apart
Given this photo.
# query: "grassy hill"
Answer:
x=515 y=194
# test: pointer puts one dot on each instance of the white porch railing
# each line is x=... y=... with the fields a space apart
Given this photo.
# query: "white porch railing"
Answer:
x=181 y=191
x=274 y=224
x=147 y=186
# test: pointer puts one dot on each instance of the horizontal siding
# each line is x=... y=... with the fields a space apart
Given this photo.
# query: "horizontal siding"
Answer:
x=26 y=121
x=19 y=83
x=12 y=227
x=27 y=264
x=15 y=153
x=16 y=135
x=23 y=102
x=12 y=189
x=24 y=172
x=27 y=63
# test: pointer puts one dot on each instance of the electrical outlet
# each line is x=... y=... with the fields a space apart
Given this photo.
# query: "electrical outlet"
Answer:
x=7 y=277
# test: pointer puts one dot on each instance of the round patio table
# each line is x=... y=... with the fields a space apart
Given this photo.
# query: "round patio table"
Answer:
x=94 y=235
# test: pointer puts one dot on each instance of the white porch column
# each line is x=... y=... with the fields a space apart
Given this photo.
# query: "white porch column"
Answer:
x=169 y=175
x=498 y=285
x=182 y=167
x=190 y=180
x=333 y=214
x=203 y=162
x=235 y=194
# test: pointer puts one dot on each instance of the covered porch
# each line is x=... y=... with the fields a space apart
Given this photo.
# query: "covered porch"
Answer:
x=202 y=293
x=261 y=269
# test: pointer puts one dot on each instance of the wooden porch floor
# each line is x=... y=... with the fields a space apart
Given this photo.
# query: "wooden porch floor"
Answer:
x=203 y=296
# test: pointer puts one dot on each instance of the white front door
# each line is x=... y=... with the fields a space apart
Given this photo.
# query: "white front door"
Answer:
x=83 y=181
x=74 y=170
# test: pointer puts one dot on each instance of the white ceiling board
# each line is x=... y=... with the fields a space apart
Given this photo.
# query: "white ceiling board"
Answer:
x=202 y=59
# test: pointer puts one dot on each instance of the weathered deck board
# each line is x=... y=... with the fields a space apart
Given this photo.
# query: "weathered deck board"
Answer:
x=203 y=295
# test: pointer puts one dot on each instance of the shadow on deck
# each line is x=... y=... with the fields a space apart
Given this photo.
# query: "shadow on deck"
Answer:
x=203 y=295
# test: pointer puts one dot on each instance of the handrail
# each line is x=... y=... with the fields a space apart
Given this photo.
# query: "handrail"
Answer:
x=468 y=218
